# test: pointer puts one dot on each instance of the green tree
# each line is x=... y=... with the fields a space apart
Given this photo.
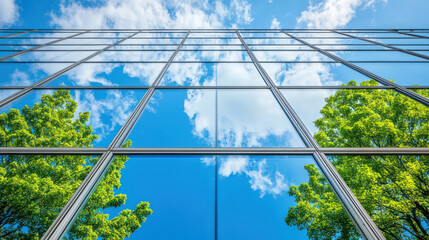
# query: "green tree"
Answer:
x=34 y=189
x=394 y=189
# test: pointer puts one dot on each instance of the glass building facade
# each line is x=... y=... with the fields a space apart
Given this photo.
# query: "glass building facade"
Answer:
x=214 y=134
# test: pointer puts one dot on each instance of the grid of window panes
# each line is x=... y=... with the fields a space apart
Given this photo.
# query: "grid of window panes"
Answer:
x=214 y=134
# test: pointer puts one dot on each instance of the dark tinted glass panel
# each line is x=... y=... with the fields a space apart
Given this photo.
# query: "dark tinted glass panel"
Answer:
x=34 y=189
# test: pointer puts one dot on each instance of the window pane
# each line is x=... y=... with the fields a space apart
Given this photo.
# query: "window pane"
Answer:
x=73 y=56
x=110 y=74
x=406 y=74
x=118 y=56
x=296 y=56
x=212 y=74
x=253 y=118
x=392 y=189
x=25 y=74
x=212 y=56
x=173 y=199
x=278 y=197
x=376 y=56
x=311 y=74
x=6 y=93
x=177 y=118
x=61 y=118
x=361 y=117
x=34 y=189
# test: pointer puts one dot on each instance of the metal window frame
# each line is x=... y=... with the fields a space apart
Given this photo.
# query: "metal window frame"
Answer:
x=361 y=219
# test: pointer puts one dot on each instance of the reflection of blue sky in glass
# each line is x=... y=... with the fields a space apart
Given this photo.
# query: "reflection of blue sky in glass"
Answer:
x=109 y=109
x=177 y=118
x=24 y=74
x=253 y=118
x=212 y=74
x=6 y=93
x=406 y=74
x=180 y=191
x=109 y=74
x=186 y=118
x=311 y=74
x=252 y=195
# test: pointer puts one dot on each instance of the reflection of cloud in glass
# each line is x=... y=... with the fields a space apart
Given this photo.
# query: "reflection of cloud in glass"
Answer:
x=261 y=177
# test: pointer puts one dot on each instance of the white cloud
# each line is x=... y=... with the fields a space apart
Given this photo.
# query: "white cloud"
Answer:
x=8 y=13
x=108 y=109
x=275 y=24
x=332 y=13
x=152 y=14
x=260 y=179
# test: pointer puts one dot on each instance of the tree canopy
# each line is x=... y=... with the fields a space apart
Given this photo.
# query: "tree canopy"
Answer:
x=393 y=189
x=34 y=189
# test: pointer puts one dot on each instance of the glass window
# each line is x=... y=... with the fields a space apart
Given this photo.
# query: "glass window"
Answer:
x=212 y=56
x=391 y=188
x=152 y=41
x=109 y=74
x=72 y=56
x=118 y=56
x=296 y=56
x=361 y=117
x=6 y=93
x=34 y=189
x=212 y=74
x=406 y=74
x=173 y=199
x=67 y=118
x=278 y=197
x=253 y=118
x=26 y=74
x=177 y=118
x=376 y=56
x=311 y=74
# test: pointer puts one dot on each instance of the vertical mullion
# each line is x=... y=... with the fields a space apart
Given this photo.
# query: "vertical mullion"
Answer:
x=359 y=216
x=57 y=74
x=383 y=45
x=417 y=97
x=65 y=219
x=42 y=45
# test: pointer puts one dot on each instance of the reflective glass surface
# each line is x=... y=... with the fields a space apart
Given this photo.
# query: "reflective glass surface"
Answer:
x=25 y=74
x=296 y=56
x=253 y=118
x=405 y=74
x=212 y=74
x=311 y=74
x=391 y=188
x=361 y=117
x=277 y=197
x=67 y=118
x=35 y=188
x=212 y=56
x=109 y=74
x=177 y=118
x=167 y=197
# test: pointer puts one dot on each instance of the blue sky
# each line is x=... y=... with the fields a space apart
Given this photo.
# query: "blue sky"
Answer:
x=181 y=189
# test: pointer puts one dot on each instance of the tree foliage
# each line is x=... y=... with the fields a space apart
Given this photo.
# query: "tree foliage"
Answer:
x=393 y=189
x=34 y=189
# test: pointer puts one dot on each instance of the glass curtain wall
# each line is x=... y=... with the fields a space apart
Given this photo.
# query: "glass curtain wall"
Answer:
x=214 y=134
